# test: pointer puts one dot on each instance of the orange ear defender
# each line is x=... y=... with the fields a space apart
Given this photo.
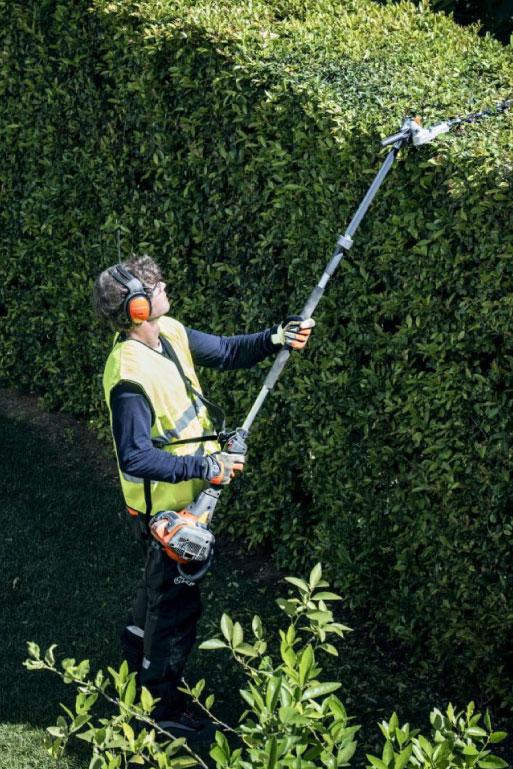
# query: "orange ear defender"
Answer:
x=137 y=303
x=139 y=309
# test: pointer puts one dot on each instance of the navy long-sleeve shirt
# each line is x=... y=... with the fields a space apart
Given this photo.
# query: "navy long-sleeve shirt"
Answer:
x=132 y=417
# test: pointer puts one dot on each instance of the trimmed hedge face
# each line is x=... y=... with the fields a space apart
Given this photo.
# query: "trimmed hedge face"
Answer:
x=233 y=144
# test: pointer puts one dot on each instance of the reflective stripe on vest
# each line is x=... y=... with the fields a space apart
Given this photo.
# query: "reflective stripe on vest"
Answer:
x=176 y=415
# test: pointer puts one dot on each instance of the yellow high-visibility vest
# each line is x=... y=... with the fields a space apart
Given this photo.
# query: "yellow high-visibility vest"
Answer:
x=177 y=414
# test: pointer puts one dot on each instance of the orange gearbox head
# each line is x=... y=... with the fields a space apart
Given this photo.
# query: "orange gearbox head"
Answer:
x=137 y=303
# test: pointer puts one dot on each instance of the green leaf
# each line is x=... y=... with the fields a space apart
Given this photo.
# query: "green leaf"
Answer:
x=475 y=731
x=425 y=745
x=388 y=753
x=175 y=746
x=288 y=714
x=337 y=708
x=222 y=742
x=218 y=755
x=376 y=762
x=197 y=689
x=209 y=701
x=319 y=690
x=315 y=576
x=146 y=700
x=79 y=722
x=272 y=751
x=402 y=759
x=256 y=626
x=213 y=643
x=326 y=596
x=237 y=635
x=227 y=627
x=129 y=732
x=34 y=650
x=273 y=692
x=123 y=671
x=300 y=583
x=34 y=664
x=287 y=606
x=247 y=650
x=305 y=665
x=498 y=736
x=288 y=654
x=247 y=697
x=49 y=655
x=330 y=649
x=393 y=724
x=322 y=617
x=130 y=692
x=492 y=762
x=346 y=753
x=259 y=700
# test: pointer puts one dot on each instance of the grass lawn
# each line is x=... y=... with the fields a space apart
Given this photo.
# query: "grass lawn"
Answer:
x=69 y=569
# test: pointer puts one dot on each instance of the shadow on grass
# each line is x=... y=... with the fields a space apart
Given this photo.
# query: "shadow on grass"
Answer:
x=68 y=568
x=69 y=572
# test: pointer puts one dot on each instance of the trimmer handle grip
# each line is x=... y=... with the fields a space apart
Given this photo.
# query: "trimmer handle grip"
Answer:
x=205 y=503
x=236 y=443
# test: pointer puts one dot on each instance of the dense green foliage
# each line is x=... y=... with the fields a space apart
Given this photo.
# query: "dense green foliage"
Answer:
x=233 y=143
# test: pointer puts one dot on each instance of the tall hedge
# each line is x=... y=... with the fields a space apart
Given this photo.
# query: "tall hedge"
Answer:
x=233 y=143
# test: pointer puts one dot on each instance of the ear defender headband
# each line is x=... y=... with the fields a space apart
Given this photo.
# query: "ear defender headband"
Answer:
x=137 y=304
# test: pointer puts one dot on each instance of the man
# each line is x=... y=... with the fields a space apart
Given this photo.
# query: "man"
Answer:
x=160 y=425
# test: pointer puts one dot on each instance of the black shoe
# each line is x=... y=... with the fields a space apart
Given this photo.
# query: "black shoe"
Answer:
x=195 y=730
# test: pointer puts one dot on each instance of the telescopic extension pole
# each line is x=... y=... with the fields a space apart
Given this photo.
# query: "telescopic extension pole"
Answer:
x=204 y=505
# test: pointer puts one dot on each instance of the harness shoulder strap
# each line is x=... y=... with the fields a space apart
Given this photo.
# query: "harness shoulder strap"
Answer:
x=216 y=412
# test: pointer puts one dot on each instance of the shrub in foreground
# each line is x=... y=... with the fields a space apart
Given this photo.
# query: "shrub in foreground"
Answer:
x=293 y=719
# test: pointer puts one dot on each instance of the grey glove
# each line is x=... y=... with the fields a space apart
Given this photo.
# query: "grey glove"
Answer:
x=220 y=468
x=293 y=331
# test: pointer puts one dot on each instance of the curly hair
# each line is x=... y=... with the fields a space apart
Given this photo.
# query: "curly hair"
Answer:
x=109 y=295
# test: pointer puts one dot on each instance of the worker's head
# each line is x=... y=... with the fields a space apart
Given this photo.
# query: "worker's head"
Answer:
x=127 y=294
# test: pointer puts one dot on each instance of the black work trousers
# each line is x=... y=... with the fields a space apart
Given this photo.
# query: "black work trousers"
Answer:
x=161 y=627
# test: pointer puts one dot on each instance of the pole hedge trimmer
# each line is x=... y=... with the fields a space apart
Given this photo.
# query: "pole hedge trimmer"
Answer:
x=186 y=535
